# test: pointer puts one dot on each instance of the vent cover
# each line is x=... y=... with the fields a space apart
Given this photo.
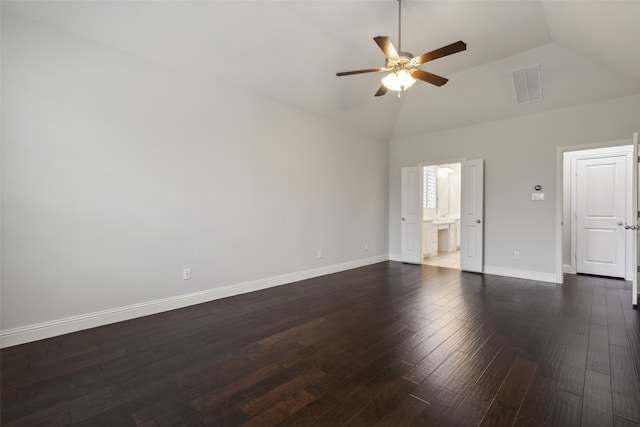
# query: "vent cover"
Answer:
x=527 y=84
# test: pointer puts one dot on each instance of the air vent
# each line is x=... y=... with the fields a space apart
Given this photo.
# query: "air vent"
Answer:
x=527 y=84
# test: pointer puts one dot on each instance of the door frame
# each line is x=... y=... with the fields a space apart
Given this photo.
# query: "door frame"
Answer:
x=560 y=197
x=599 y=153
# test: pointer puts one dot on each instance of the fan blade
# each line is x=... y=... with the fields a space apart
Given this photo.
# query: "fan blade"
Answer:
x=383 y=89
x=387 y=47
x=370 y=70
x=443 y=51
x=428 y=77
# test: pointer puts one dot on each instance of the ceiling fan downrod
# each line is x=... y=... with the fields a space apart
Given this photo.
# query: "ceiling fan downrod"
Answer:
x=400 y=25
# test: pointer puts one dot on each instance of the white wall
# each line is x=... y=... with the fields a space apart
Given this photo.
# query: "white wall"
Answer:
x=519 y=153
x=118 y=173
x=443 y=193
x=455 y=184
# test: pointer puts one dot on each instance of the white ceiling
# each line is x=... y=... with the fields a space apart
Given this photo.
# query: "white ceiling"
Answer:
x=289 y=51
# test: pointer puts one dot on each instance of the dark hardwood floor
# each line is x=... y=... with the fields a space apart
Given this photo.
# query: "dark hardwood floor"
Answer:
x=384 y=345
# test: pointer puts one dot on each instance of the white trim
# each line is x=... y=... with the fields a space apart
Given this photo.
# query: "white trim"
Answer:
x=538 y=276
x=24 y=334
x=567 y=269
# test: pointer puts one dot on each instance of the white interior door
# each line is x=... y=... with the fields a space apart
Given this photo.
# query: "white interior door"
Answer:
x=600 y=216
x=635 y=252
x=472 y=216
x=410 y=233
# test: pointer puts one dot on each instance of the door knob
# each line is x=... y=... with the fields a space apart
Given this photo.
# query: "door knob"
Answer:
x=478 y=221
x=403 y=218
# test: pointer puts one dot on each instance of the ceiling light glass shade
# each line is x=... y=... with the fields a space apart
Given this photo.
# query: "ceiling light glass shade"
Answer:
x=398 y=81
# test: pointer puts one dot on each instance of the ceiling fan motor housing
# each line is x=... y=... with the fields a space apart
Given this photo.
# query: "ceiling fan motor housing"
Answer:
x=402 y=63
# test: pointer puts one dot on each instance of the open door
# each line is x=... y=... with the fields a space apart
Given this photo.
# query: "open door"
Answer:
x=601 y=209
x=633 y=227
x=472 y=216
x=410 y=233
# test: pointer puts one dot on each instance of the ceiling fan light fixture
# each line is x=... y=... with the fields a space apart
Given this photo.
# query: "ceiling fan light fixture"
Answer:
x=398 y=81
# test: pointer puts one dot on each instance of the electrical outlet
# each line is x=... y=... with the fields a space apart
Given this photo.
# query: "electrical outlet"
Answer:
x=186 y=274
x=516 y=255
x=320 y=254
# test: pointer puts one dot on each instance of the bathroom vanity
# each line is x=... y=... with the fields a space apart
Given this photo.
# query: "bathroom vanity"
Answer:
x=440 y=235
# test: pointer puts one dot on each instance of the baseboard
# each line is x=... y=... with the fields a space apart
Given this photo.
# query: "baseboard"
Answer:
x=521 y=274
x=395 y=257
x=509 y=272
x=25 y=334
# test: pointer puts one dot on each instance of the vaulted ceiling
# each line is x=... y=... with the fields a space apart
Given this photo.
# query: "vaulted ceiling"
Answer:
x=289 y=52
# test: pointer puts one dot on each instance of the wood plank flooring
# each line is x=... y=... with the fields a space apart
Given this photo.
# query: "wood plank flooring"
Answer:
x=384 y=345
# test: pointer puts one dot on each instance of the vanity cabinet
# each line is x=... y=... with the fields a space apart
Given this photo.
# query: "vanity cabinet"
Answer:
x=440 y=236
x=429 y=239
x=447 y=237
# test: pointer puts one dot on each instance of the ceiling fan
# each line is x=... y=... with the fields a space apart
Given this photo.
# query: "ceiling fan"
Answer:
x=403 y=66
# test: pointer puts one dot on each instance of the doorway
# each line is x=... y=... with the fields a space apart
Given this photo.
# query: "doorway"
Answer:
x=471 y=217
x=441 y=207
x=596 y=208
